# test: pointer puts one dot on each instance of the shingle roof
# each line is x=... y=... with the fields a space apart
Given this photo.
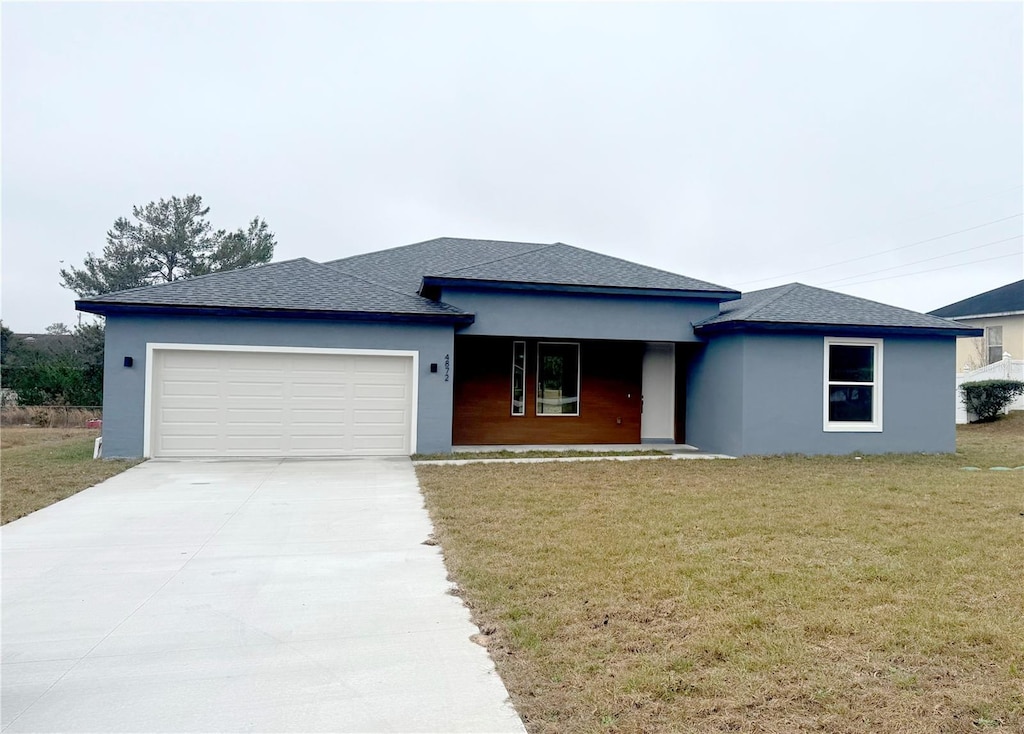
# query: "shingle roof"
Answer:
x=450 y=258
x=1006 y=299
x=292 y=285
x=798 y=305
x=403 y=267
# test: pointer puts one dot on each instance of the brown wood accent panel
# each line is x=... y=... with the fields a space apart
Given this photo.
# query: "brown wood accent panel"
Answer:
x=610 y=382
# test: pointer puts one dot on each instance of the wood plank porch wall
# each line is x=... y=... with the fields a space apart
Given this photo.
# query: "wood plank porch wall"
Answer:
x=610 y=400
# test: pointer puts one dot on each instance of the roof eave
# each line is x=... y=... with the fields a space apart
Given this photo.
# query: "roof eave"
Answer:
x=833 y=329
x=153 y=309
x=431 y=283
x=993 y=315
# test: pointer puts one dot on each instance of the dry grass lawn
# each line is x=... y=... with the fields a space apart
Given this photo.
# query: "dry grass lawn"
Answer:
x=780 y=594
x=40 y=466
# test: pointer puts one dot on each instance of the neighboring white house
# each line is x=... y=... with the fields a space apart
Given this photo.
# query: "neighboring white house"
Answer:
x=1000 y=312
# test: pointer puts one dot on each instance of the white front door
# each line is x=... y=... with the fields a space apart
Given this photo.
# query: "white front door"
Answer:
x=658 y=420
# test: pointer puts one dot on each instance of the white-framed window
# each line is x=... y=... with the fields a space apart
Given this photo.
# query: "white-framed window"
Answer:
x=853 y=384
x=518 y=378
x=993 y=343
x=558 y=378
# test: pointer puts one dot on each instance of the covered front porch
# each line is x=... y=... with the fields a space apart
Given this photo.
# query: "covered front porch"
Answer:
x=537 y=392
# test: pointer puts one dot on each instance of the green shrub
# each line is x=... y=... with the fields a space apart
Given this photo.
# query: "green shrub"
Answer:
x=988 y=398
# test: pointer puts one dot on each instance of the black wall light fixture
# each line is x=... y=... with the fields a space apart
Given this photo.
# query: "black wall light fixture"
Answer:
x=128 y=361
x=433 y=366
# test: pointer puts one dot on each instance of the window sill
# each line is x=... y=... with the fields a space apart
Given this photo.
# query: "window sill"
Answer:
x=852 y=428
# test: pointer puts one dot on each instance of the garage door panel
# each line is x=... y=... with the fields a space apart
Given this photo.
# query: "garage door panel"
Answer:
x=377 y=445
x=316 y=445
x=378 y=417
x=366 y=407
x=261 y=390
x=189 y=388
x=319 y=392
x=191 y=360
x=236 y=403
x=381 y=365
x=187 y=443
x=189 y=416
x=234 y=418
x=383 y=391
x=329 y=419
x=263 y=378
x=379 y=377
x=325 y=376
x=376 y=431
x=329 y=402
x=299 y=430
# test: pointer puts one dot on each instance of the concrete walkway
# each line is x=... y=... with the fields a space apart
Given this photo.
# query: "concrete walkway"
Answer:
x=621 y=448
x=549 y=459
x=227 y=596
x=624 y=452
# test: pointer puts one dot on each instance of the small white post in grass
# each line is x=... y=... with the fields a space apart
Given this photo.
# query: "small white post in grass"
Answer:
x=97 y=448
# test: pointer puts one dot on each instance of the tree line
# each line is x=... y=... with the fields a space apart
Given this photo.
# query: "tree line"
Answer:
x=163 y=241
x=60 y=367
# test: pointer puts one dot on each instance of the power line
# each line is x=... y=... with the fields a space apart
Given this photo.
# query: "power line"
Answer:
x=933 y=270
x=927 y=213
x=882 y=252
x=925 y=260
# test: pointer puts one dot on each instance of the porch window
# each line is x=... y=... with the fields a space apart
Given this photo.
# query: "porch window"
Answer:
x=518 y=378
x=994 y=343
x=853 y=384
x=558 y=378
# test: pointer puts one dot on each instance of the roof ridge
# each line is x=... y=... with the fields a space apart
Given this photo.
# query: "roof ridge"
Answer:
x=634 y=263
x=783 y=290
x=384 y=287
x=872 y=300
x=377 y=252
x=539 y=248
x=433 y=239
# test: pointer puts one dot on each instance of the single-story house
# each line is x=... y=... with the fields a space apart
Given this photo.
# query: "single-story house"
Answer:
x=480 y=342
x=1000 y=312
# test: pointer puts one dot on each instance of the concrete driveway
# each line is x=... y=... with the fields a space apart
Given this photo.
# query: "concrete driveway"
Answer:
x=240 y=596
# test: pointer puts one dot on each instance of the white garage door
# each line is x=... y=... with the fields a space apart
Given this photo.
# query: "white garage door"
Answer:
x=237 y=403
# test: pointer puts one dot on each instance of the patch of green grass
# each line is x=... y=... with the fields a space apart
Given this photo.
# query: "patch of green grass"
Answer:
x=781 y=594
x=40 y=466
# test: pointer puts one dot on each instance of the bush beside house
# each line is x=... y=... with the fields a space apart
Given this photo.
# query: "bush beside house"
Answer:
x=987 y=399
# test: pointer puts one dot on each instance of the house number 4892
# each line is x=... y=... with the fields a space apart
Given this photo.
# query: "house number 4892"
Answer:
x=447 y=367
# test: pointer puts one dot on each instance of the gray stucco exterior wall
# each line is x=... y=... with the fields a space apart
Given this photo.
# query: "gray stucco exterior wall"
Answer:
x=126 y=336
x=580 y=315
x=764 y=394
x=714 y=396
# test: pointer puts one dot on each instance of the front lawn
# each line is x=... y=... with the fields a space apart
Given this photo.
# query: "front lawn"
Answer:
x=40 y=466
x=778 y=594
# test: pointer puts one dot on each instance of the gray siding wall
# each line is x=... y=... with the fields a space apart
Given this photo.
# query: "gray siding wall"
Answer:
x=780 y=396
x=126 y=336
x=580 y=316
x=714 y=396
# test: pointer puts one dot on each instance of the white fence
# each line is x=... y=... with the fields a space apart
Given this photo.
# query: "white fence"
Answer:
x=1004 y=369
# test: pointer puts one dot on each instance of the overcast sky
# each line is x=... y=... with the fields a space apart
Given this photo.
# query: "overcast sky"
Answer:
x=744 y=144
